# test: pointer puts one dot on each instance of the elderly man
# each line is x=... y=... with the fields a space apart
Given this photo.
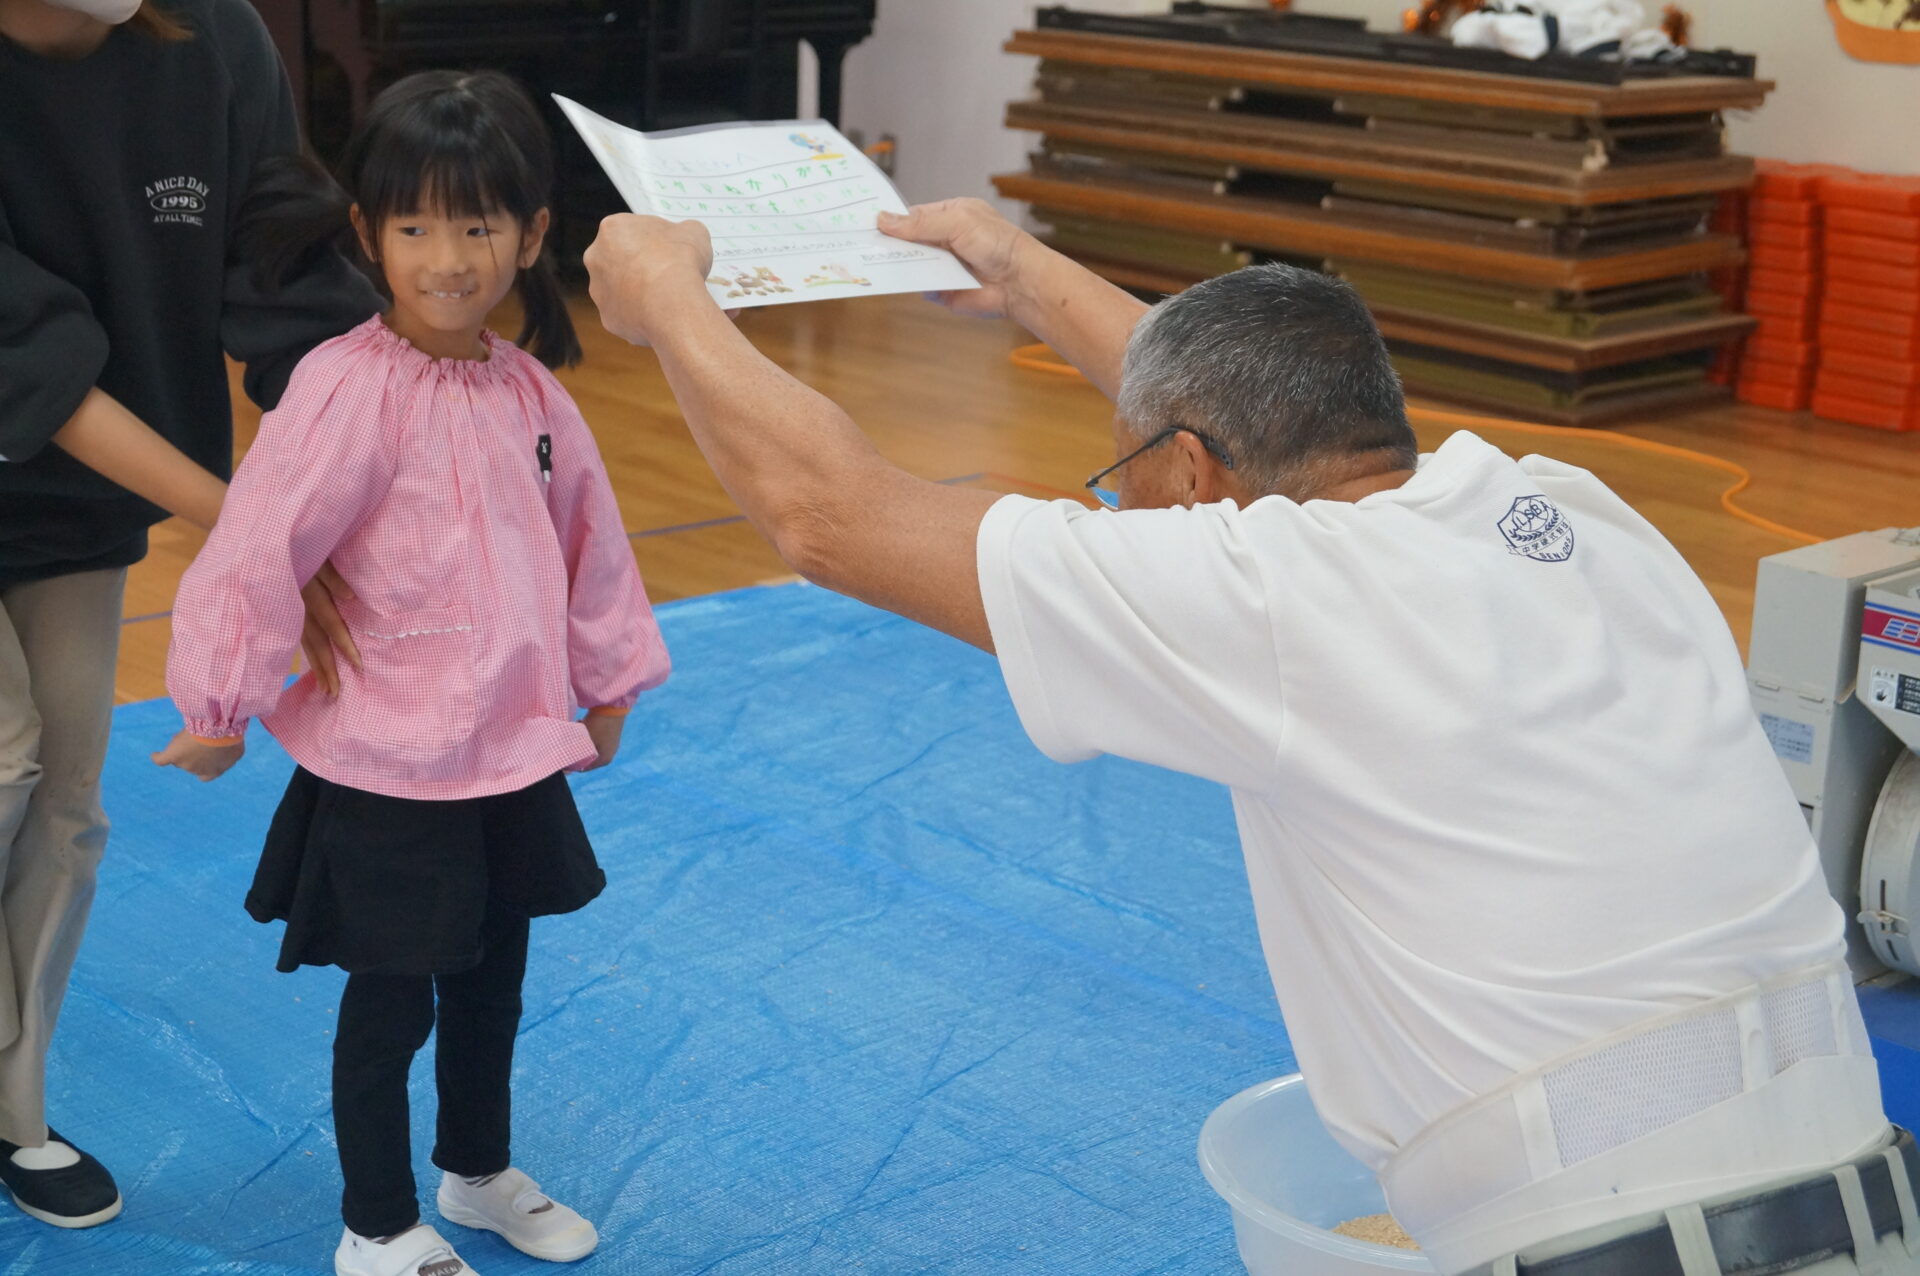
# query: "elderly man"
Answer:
x=1545 y=919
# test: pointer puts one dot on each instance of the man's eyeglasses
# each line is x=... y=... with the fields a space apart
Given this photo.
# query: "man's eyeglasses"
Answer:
x=1111 y=499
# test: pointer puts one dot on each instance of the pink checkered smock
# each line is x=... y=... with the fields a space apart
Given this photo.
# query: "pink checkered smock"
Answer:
x=494 y=600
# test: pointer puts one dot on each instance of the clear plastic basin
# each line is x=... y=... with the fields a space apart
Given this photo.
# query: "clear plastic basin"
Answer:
x=1290 y=1184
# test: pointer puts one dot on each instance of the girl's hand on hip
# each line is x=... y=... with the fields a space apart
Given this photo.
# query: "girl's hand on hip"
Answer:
x=196 y=757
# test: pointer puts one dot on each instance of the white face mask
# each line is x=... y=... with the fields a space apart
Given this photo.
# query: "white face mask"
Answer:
x=111 y=12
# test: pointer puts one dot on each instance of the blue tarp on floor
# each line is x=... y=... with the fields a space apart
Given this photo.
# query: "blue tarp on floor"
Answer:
x=874 y=988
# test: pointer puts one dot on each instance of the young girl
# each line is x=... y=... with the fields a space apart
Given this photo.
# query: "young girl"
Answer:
x=456 y=488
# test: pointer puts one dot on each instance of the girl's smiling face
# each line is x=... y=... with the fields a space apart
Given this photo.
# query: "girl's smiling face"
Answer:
x=447 y=273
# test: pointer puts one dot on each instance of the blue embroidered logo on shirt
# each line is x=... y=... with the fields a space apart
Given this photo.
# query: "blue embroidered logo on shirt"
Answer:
x=1536 y=527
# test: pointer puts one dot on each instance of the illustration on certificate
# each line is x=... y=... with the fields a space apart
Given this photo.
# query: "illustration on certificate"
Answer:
x=790 y=206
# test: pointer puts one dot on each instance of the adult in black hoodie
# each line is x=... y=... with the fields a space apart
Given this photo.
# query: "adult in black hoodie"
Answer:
x=128 y=135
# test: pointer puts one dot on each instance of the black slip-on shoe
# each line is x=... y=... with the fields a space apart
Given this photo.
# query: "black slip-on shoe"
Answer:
x=79 y=1195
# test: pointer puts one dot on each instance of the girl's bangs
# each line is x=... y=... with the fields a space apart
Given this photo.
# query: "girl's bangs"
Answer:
x=454 y=173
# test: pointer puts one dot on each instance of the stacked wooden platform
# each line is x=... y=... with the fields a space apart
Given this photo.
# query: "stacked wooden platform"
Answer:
x=1529 y=245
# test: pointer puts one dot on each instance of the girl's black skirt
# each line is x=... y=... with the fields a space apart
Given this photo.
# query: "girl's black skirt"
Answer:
x=387 y=885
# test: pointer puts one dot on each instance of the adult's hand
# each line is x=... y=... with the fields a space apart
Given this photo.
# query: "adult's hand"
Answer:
x=644 y=271
x=325 y=630
x=985 y=242
x=1083 y=317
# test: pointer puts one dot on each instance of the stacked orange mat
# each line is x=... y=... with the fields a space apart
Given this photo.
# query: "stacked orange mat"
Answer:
x=1783 y=286
x=1869 y=330
x=1729 y=218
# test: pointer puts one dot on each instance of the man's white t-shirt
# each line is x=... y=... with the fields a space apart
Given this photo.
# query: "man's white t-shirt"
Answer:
x=1498 y=782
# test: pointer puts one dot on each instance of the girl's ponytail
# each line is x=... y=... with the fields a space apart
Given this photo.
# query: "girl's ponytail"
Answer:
x=292 y=214
x=546 y=332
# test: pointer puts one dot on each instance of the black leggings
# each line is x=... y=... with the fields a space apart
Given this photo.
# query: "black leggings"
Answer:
x=384 y=1020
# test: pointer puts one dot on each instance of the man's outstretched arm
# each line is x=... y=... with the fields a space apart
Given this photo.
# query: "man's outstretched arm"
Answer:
x=837 y=511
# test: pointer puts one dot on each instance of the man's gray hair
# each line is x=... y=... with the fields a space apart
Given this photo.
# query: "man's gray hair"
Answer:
x=1283 y=367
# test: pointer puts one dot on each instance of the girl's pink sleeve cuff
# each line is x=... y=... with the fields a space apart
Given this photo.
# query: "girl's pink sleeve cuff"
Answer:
x=216 y=734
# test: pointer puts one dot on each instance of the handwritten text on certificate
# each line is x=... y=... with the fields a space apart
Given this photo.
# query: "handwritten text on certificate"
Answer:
x=790 y=206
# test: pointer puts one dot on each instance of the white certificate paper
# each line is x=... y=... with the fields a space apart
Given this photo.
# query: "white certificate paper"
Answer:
x=790 y=206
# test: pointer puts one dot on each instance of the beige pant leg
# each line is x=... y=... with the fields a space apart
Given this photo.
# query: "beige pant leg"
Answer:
x=59 y=642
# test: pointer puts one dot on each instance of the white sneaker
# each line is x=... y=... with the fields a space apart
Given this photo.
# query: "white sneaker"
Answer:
x=420 y=1251
x=513 y=1205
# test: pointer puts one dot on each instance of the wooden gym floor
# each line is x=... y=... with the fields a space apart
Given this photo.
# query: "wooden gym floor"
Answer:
x=939 y=397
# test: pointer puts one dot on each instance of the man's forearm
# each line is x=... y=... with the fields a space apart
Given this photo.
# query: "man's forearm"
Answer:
x=811 y=483
x=108 y=439
x=782 y=450
x=1083 y=317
